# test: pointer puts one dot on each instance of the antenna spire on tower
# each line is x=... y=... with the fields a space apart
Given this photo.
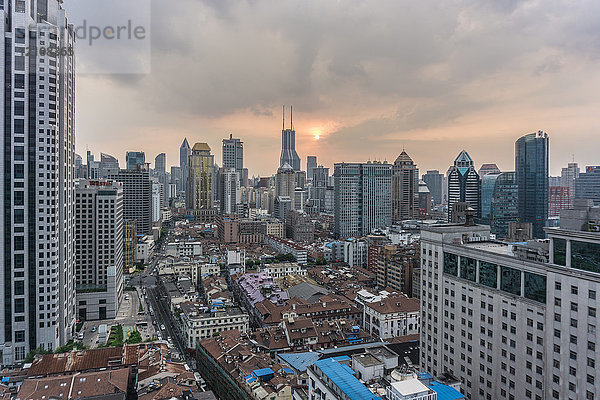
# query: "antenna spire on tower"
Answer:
x=283 y=117
x=292 y=117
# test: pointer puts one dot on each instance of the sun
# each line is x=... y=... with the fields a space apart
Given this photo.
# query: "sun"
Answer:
x=316 y=134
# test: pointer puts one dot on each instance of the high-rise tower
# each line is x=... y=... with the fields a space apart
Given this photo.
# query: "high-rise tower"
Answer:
x=200 y=181
x=233 y=154
x=37 y=167
x=531 y=168
x=184 y=155
x=404 y=186
x=288 y=145
x=464 y=185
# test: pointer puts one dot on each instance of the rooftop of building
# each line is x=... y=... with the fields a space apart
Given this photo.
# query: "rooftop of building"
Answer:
x=366 y=359
x=395 y=303
x=410 y=387
x=343 y=377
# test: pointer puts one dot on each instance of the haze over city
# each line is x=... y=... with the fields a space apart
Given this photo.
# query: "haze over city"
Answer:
x=368 y=78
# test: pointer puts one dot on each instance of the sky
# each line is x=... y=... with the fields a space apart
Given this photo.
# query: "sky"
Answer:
x=367 y=79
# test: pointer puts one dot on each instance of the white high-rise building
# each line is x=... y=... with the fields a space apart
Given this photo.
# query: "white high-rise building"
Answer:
x=37 y=291
x=157 y=199
x=99 y=248
x=511 y=321
x=229 y=190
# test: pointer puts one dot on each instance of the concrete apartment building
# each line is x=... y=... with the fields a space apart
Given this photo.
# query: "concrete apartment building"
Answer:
x=511 y=327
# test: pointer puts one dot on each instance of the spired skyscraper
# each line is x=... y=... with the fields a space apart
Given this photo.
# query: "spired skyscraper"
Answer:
x=531 y=169
x=464 y=185
x=37 y=283
x=288 y=145
x=404 y=188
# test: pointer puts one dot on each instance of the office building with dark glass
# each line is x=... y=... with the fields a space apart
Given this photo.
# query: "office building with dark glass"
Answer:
x=499 y=202
x=531 y=168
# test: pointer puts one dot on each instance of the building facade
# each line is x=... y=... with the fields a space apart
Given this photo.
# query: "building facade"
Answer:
x=404 y=188
x=435 y=182
x=587 y=186
x=137 y=197
x=233 y=154
x=288 y=145
x=37 y=293
x=499 y=201
x=464 y=185
x=229 y=190
x=134 y=159
x=508 y=326
x=184 y=154
x=531 y=168
x=362 y=199
x=200 y=178
x=99 y=248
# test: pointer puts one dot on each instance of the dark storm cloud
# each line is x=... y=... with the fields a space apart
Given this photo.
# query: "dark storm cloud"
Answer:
x=401 y=66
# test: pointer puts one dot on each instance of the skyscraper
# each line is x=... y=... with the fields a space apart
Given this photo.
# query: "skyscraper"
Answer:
x=200 y=178
x=567 y=179
x=137 y=197
x=184 y=155
x=229 y=190
x=531 y=168
x=463 y=184
x=233 y=154
x=318 y=189
x=311 y=164
x=99 y=248
x=109 y=165
x=435 y=181
x=135 y=158
x=37 y=174
x=499 y=201
x=160 y=172
x=160 y=164
x=288 y=145
x=587 y=186
x=285 y=181
x=405 y=177
x=362 y=199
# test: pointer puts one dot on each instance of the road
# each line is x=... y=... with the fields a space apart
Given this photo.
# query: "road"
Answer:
x=163 y=316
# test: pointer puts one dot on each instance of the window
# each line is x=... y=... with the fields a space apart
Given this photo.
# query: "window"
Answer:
x=451 y=264
x=488 y=274
x=560 y=251
x=535 y=287
x=467 y=268
x=510 y=280
x=585 y=256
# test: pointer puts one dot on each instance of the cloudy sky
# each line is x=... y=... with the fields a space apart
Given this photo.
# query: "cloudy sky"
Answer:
x=366 y=78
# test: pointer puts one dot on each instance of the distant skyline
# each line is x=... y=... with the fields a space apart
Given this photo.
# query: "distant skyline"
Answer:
x=431 y=79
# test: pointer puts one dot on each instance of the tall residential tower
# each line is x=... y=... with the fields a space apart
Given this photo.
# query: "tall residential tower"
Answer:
x=37 y=287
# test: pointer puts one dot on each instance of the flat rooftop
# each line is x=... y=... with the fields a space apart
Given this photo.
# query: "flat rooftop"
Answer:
x=493 y=247
x=367 y=359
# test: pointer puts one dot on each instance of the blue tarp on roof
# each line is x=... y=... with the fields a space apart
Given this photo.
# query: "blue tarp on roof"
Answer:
x=424 y=375
x=5 y=379
x=288 y=370
x=250 y=378
x=445 y=392
x=345 y=381
x=263 y=372
x=299 y=361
